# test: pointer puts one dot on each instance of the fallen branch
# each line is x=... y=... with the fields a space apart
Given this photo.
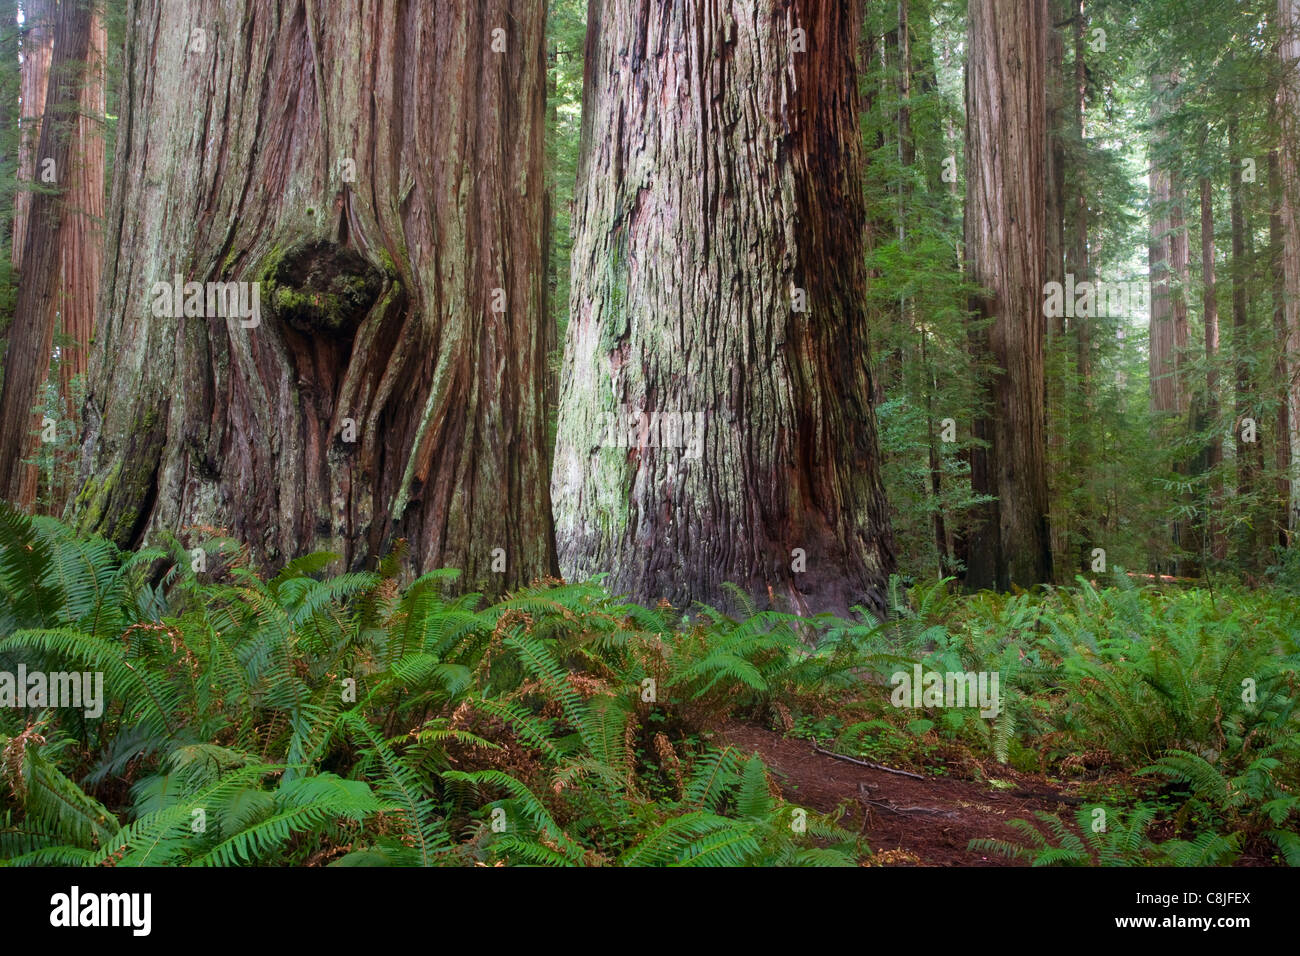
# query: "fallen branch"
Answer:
x=864 y=763
x=901 y=811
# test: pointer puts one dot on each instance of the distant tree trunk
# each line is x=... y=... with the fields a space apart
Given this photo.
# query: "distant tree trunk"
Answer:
x=1168 y=256
x=38 y=48
x=1215 y=544
x=1006 y=166
x=27 y=363
x=1245 y=389
x=10 y=112
x=82 y=249
x=378 y=169
x=1058 y=98
x=1077 y=261
x=718 y=273
x=1289 y=153
x=1282 y=425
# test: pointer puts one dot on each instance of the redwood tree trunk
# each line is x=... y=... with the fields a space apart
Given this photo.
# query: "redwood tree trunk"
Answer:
x=378 y=168
x=719 y=195
x=1280 y=442
x=1247 y=469
x=1289 y=156
x=82 y=248
x=1215 y=544
x=27 y=362
x=37 y=49
x=1168 y=258
x=1006 y=172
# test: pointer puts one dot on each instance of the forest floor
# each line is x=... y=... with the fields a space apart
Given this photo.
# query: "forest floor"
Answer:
x=932 y=820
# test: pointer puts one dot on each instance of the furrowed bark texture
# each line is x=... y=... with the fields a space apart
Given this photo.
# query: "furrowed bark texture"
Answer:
x=34 y=78
x=720 y=172
x=27 y=362
x=377 y=167
x=82 y=249
x=1006 y=228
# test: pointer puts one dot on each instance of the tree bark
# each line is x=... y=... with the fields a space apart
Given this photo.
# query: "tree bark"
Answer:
x=378 y=168
x=27 y=363
x=82 y=248
x=1168 y=258
x=38 y=48
x=1078 y=262
x=1247 y=470
x=1058 y=98
x=1281 y=438
x=1288 y=98
x=1006 y=167
x=1215 y=543
x=719 y=194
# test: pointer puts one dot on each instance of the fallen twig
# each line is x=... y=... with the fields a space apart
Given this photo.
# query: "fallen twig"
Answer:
x=901 y=811
x=864 y=763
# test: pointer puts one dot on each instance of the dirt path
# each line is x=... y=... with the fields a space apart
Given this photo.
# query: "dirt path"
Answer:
x=967 y=810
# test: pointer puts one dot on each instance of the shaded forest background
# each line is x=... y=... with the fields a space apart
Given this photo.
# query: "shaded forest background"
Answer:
x=1168 y=444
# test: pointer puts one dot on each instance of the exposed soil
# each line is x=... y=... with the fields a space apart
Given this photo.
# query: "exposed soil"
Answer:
x=961 y=810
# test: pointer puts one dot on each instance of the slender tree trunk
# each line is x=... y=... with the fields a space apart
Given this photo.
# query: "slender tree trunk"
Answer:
x=27 y=363
x=1058 y=97
x=1245 y=390
x=38 y=48
x=10 y=112
x=1216 y=545
x=715 y=423
x=378 y=168
x=1289 y=155
x=1167 y=257
x=1077 y=261
x=1006 y=166
x=1282 y=425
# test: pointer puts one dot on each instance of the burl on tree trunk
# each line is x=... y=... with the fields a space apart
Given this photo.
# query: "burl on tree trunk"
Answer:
x=376 y=169
x=715 y=423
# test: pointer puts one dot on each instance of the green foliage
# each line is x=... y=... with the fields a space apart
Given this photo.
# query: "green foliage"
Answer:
x=348 y=720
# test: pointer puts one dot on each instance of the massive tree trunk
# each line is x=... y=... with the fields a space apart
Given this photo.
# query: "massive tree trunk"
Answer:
x=27 y=362
x=38 y=48
x=718 y=275
x=378 y=168
x=82 y=248
x=1289 y=113
x=1006 y=166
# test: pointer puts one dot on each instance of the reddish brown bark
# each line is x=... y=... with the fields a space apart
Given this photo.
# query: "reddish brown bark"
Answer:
x=1006 y=145
x=378 y=168
x=27 y=361
x=721 y=172
x=37 y=49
